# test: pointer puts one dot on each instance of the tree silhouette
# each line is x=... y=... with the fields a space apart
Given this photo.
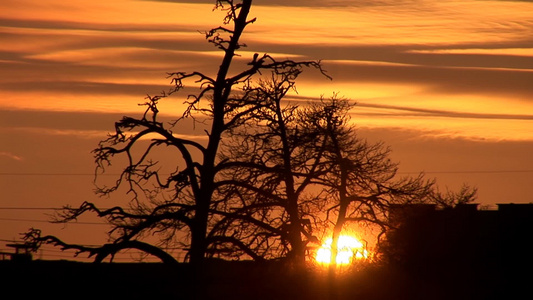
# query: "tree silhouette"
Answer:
x=359 y=178
x=295 y=162
x=182 y=208
x=271 y=174
x=268 y=176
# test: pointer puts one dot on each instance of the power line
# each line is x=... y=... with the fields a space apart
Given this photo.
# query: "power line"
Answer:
x=124 y=251
x=49 y=251
x=51 y=208
x=468 y=172
x=56 y=174
x=24 y=220
x=402 y=172
x=31 y=208
x=45 y=221
x=46 y=245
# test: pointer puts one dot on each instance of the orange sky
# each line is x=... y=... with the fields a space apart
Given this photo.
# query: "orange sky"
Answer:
x=447 y=84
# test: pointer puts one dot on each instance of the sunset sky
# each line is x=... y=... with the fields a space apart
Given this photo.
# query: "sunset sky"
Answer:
x=448 y=85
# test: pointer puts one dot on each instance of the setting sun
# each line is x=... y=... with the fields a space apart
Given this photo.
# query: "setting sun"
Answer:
x=349 y=248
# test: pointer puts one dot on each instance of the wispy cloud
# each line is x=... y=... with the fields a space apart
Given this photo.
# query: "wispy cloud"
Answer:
x=10 y=156
x=414 y=111
x=446 y=60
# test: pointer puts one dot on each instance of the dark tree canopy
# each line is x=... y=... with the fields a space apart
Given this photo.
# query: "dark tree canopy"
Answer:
x=184 y=207
x=266 y=176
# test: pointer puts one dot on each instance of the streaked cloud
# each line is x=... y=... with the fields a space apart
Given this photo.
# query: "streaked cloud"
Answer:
x=451 y=114
x=424 y=65
x=83 y=124
x=9 y=155
x=502 y=51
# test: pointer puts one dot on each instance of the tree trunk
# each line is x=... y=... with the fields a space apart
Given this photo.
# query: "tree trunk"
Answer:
x=341 y=219
x=221 y=91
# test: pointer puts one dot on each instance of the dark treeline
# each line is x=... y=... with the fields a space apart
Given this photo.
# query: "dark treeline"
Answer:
x=452 y=253
x=247 y=280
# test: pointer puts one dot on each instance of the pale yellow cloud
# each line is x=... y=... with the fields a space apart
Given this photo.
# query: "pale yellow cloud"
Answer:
x=117 y=12
x=421 y=22
x=10 y=155
x=498 y=51
x=106 y=56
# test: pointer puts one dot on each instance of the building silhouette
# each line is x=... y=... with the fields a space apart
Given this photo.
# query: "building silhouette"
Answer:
x=470 y=250
x=464 y=232
x=22 y=252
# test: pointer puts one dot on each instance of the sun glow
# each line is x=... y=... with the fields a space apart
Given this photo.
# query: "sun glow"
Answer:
x=349 y=248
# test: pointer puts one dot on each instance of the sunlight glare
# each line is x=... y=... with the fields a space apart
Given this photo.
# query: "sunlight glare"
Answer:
x=349 y=248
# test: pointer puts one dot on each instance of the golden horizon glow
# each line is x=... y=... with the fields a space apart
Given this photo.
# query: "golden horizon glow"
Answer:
x=348 y=249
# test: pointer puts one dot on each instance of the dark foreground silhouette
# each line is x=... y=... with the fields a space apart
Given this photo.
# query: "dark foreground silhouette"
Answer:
x=246 y=280
x=459 y=253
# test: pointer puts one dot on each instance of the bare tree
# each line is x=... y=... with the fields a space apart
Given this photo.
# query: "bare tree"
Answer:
x=182 y=208
x=271 y=172
x=260 y=183
x=359 y=178
x=295 y=162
